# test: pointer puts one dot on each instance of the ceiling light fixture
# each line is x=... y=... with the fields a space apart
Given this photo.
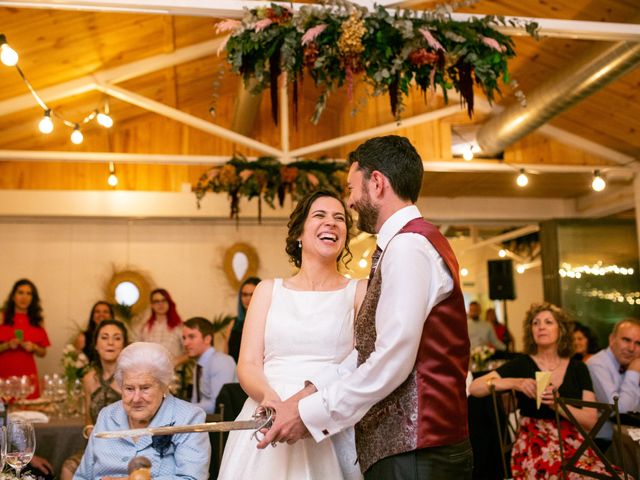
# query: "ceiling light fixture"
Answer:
x=8 y=55
x=468 y=154
x=522 y=179
x=598 y=184
x=46 y=124
x=112 y=180
x=76 y=136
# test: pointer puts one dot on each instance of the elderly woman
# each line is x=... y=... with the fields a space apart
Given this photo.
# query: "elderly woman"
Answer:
x=548 y=343
x=143 y=373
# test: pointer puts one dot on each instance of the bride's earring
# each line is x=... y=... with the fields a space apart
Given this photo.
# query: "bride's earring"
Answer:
x=300 y=244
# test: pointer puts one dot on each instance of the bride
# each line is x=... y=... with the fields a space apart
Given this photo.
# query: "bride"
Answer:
x=294 y=330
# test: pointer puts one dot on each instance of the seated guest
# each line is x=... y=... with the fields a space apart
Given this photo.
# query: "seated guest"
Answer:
x=585 y=343
x=548 y=344
x=100 y=388
x=481 y=333
x=502 y=332
x=244 y=298
x=84 y=341
x=616 y=372
x=213 y=369
x=144 y=372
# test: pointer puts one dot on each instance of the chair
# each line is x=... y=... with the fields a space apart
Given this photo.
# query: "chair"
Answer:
x=216 y=453
x=505 y=409
x=606 y=411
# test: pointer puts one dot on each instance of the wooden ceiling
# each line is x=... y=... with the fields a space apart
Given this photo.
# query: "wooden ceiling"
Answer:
x=58 y=46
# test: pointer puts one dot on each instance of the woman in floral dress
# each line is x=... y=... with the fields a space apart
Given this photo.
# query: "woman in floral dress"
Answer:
x=548 y=344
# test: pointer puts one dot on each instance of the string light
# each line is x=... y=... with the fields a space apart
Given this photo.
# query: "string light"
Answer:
x=113 y=179
x=502 y=253
x=8 y=55
x=363 y=263
x=464 y=271
x=46 y=124
x=567 y=270
x=521 y=269
x=598 y=184
x=468 y=153
x=76 y=136
x=522 y=179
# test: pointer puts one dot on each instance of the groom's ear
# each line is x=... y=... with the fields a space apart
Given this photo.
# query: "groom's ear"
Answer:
x=377 y=182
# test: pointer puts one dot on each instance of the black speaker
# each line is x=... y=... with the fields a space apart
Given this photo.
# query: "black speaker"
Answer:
x=501 y=285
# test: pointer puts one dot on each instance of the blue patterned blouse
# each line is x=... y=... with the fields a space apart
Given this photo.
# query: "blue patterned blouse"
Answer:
x=183 y=456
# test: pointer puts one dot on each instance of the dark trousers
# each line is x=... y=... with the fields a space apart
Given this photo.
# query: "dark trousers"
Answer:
x=436 y=463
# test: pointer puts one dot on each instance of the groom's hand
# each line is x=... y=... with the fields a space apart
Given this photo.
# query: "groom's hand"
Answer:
x=287 y=427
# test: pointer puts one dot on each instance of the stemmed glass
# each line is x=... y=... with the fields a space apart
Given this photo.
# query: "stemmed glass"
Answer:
x=3 y=446
x=21 y=445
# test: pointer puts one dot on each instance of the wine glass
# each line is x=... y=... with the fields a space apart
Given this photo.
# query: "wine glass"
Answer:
x=21 y=445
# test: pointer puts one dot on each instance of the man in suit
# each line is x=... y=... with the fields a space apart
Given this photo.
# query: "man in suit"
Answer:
x=404 y=385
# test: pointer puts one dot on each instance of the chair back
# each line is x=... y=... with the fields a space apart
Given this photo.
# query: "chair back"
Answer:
x=605 y=412
x=217 y=439
x=505 y=408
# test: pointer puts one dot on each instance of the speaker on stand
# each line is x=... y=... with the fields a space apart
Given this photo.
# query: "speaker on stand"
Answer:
x=501 y=285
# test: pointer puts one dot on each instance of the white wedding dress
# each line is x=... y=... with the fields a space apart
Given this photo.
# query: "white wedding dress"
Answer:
x=305 y=332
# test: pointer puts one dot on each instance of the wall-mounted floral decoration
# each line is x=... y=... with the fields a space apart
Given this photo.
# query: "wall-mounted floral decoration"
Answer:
x=339 y=43
x=268 y=179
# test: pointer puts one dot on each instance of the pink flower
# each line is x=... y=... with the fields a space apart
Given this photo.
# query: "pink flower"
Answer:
x=223 y=45
x=493 y=43
x=311 y=34
x=245 y=175
x=262 y=24
x=433 y=43
x=227 y=26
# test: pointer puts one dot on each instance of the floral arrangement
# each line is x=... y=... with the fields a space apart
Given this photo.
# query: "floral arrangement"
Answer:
x=268 y=179
x=480 y=355
x=75 y=364
x=339 y=42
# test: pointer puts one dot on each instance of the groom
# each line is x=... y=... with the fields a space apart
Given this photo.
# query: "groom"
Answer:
x=404 y=385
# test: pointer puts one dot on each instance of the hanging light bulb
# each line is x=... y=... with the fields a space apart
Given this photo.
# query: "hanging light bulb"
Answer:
x=112 y=180
x=598 y=184
x=502 y=253
x=468 y=154
x=464 y=271
x=76 y=135
x=46 y=124
x=8 y=55
x=105 y=120
x=520 y=269
x=522 y=179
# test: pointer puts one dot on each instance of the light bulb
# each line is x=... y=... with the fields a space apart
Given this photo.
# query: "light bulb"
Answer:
x=76 y=136
x=8 y=55
x=363 y=263
x=112 y=180
x=598 y=183
x=468 y=154
x=464 y=271
x=46 y=124
x=522 y=179
x=502 y=253
x=105 y=120
x=520 y=269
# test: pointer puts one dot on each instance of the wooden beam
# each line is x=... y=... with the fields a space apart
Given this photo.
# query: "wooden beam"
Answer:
x=187 y=119
x=113 y=75
x=549 y=27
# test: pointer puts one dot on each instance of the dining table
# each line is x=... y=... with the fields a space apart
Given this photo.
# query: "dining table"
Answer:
x=58 y=439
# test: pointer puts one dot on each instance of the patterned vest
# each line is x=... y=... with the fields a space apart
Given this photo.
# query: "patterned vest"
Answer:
x=429 y=408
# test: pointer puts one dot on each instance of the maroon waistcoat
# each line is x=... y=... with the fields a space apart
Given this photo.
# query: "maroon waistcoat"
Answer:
x=429 y=408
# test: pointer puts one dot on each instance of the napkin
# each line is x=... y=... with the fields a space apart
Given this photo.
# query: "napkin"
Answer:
x=28 y=416
x=542 y=382
x=634 y=433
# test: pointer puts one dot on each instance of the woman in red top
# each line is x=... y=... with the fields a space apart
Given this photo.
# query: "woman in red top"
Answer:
x=22 y=334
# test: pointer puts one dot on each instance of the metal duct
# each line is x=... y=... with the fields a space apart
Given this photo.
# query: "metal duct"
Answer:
x=561 y=91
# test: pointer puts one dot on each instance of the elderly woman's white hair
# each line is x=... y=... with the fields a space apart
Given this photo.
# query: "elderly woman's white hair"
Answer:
x=146 y=357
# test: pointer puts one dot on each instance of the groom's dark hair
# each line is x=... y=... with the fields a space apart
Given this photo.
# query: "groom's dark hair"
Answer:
x=396 y=159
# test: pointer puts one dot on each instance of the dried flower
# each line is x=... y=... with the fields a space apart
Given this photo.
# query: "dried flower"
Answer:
x=422 y=57
x=262 y=24
x=311 y=34
x=350 y=41
x=493 y=43
x=227 y=26
x=431 y=40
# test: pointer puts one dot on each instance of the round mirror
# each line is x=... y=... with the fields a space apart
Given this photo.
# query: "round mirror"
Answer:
x=130 y=289
x=127 y=293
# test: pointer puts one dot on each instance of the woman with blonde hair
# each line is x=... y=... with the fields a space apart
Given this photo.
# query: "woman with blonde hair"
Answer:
x=548 y=345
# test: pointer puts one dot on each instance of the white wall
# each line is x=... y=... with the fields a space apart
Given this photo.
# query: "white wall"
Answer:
x=70 y=261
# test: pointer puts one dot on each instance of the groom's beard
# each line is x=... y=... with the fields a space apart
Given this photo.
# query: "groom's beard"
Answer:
x=367 y=215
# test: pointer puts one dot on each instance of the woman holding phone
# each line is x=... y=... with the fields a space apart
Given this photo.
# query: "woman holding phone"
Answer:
x=21 y=333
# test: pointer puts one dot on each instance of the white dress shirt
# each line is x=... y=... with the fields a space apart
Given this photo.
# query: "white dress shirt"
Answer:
x=414 y=280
